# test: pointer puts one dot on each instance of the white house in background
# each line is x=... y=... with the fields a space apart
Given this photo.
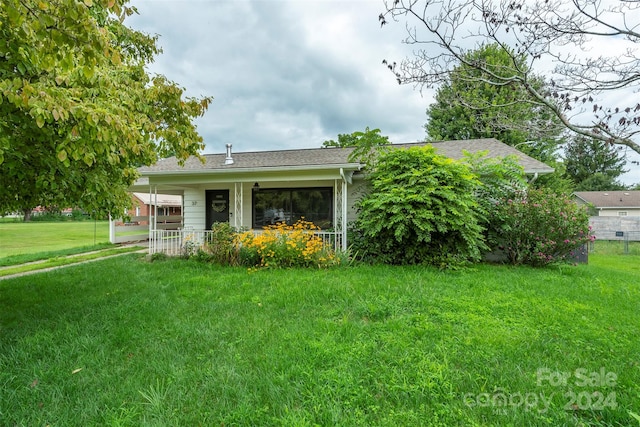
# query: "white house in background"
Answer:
x=611 y=203
x=253 y=189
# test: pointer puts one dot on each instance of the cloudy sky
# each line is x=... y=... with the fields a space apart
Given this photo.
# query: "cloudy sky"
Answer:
x=286 y=73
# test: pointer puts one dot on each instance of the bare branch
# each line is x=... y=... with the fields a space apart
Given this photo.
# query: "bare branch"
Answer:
x=586 y=49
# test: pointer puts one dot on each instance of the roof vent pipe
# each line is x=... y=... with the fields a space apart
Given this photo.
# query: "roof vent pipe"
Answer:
x=228 y=160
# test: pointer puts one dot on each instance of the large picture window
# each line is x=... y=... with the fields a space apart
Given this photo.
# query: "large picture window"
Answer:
x=274 y=205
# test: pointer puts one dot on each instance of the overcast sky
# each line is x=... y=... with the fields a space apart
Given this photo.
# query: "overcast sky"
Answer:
x=286 y=73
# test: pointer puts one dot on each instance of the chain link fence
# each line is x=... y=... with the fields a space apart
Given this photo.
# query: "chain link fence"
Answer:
x=617 y=241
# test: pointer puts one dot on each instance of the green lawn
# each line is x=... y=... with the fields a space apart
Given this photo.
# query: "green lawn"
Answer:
x=128 y=342
x=20 y=238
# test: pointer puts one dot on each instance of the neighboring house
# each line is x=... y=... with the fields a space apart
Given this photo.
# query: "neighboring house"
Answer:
x=253 y=189
x=164 y=211
x=611 y=203
x=615 y=215
x=145 y=204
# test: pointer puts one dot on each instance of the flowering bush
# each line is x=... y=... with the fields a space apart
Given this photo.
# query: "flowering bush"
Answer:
x=283 y=245
x=540 y=227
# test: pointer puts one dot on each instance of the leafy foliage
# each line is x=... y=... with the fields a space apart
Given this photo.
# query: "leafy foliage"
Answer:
x=220 y=247
x=421 y=209
x=593 y=165
x=539 y=227
x=468 y=106
x=500 y=178
x=78 y=111
x=551 y=32
x=365 y=144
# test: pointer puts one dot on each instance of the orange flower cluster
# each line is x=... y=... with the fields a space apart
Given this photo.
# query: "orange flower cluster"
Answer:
x=283 y=245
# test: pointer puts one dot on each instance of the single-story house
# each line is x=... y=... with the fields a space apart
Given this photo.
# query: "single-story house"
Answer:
x=145 y=204
x=615 y=215
x=610 y=203
x=253 y=189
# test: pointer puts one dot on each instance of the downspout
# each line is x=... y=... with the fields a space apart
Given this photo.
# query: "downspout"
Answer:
x=535 y=176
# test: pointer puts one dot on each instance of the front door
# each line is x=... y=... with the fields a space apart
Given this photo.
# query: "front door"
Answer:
x=217 y=207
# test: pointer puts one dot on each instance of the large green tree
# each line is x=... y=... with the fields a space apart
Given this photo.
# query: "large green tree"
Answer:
x=78 y=110
x=468 y=106
x=593 y=165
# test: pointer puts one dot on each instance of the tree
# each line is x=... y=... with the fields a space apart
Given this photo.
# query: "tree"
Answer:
x=467 y=108
x=550 y=31
x=593 y=165
x=78 y=111
x=365 y=143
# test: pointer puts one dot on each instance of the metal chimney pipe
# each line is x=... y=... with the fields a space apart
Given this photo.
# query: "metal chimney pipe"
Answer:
x=229 y=159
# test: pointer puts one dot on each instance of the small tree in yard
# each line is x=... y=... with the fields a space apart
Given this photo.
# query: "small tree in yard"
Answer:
x=421 y=209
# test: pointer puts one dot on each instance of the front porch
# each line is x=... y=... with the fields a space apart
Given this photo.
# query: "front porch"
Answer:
x=252 y=203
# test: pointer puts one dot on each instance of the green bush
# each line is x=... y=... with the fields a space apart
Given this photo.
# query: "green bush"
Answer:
x=539 y=227
x=220 y=247
x=53 y=215
x=421 y=209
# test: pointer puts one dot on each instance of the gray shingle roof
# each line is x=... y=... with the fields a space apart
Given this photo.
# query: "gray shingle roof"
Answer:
x=315 y=157
x=611 y=199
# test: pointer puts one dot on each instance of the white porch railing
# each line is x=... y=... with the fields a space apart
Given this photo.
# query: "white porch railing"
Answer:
x=179 y=242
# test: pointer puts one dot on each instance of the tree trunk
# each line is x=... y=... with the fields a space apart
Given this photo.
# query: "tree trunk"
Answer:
x=27 y=215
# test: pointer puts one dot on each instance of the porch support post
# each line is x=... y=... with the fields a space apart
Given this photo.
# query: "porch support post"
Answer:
x=151 y=236
x=340 y=212
x=344 y=215
x=112 y=229
x=238 y=219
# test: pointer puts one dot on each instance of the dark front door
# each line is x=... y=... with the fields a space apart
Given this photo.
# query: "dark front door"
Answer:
x=217 y=206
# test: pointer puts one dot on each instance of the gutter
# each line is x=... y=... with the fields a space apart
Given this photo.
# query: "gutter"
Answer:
x=348 y=166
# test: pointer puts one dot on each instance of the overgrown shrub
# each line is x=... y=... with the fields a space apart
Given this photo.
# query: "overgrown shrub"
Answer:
x=500 y=178
x=539 y=227
x=283 y=245
x=221 y=247
x=420 y=209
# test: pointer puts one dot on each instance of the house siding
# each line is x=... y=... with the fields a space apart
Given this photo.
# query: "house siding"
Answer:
x=194 y=209
x=355 y=191
x=615 y=212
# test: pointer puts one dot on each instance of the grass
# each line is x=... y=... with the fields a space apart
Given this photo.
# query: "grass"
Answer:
x=61 y=261
x=41 y=256
x=18 y=238
x=613 y=247
x=128 y=342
